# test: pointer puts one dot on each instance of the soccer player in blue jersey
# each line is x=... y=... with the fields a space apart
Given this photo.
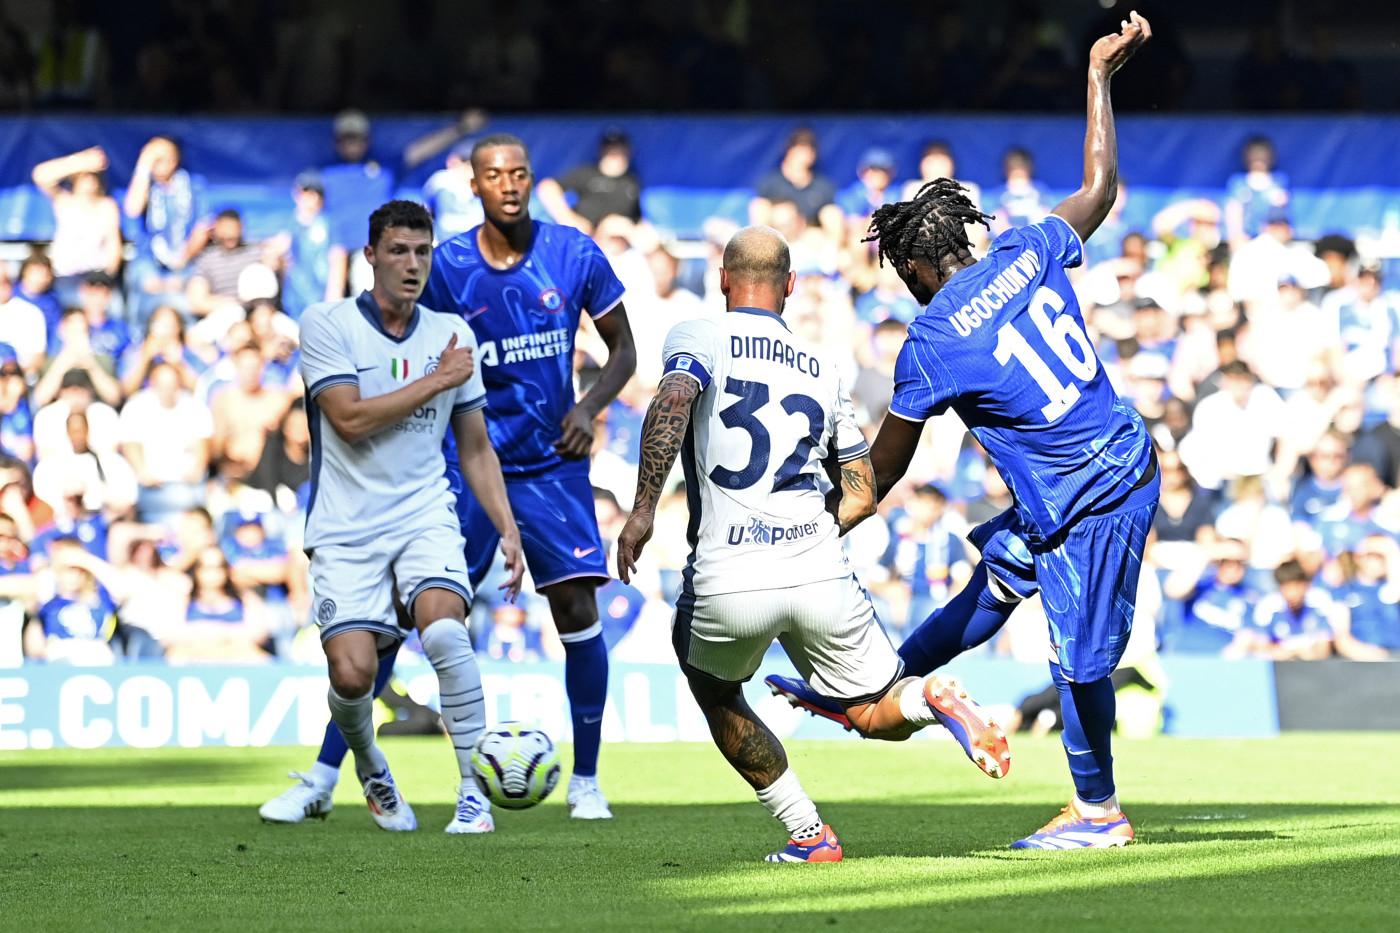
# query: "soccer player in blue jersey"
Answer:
x=1002 y=343
x=521 y=285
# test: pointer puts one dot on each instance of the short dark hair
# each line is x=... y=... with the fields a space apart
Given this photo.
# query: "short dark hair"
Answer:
x=71 y=312
x=1237 y=368
x=229 y=213
x=499 y=139
x=1290 y=571
x=36 y=258
x=398 y=213
x=930 y=491
x=935 y=146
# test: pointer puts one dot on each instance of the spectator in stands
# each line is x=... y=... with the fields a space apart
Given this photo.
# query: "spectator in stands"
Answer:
x=16 y=413
x=151 y=601
x=354 y=186
x=221 y=624
x=245 y=414
x=1319 y=488
x=1217 y=604
x=873 y=188
x=18 y=501
x=168 y=202
x=797 y=180
x=214 y=277
x=77 y=623
x=448 y=193
x=1289 y=334
x=164 y=344
x=1369 y=323
x=277 y=336
x=1020 y=200
x=108 y=481
x=995 y=499
x=927 y=552
x=1233 y=431
x=1190 y=230
x=75 y=396
x=35 y=285
x=259 y=565
x=1255 y=194
x=1379 y=444
x=17 y=591
x=873 y=387
x=87 y=234
x=1294 y=624
x=75 y=354
x=166 y=436
x=109 y=335
x=285 y=463
x=72 y=518
x=654 y=319
x=607 y=186
x=1185 y=513
x=312 y=261
x=1310 y=413
x=1370 y=589
x=1356 y=514
x=509 y=636
x=1252 y=516
x=22 y=325
x=936 y=161
x=1258 y=265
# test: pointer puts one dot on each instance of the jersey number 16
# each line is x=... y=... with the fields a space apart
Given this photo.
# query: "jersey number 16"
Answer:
x=1064 y=337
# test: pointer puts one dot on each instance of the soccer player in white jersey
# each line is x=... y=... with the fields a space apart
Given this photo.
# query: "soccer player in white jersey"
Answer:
x=760 y=420
x=384 y=380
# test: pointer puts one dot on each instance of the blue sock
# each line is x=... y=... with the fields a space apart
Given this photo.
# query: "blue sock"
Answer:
x=586 y=683
x=969 y=619
x=333 y=747
x=1088 y=711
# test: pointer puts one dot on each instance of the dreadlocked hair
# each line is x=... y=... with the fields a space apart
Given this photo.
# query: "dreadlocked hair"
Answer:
x=932 y=225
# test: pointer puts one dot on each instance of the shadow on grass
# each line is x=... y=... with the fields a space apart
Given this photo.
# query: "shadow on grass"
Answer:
x=194 y=766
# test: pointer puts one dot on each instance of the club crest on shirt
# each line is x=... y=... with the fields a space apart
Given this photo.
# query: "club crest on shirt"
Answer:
x=432 y=365
x=552 y=300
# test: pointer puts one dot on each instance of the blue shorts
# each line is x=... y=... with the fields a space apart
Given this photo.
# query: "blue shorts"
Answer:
x=1087 y=577
x=558 y=530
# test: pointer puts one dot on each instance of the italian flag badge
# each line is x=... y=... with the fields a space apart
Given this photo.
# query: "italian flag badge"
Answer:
x=398 y=368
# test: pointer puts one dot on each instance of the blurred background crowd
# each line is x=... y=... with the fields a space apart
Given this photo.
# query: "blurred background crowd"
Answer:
x=156 y=449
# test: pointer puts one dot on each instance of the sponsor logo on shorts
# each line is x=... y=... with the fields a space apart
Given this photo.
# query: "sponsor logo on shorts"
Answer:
x=325 y=611
x=760 y=531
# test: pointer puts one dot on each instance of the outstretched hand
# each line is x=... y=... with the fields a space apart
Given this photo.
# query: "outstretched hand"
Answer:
x=1110 y=52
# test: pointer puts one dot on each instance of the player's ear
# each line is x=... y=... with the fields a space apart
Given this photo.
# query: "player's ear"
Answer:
x=723 y=281
x=369 y=253
x=790 y=284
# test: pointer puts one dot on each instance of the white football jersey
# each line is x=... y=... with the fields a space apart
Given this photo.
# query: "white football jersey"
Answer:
x=395 y=478
x=770 y=410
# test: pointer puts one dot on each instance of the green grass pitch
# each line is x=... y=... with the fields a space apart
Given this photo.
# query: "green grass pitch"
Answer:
x=1293 y=834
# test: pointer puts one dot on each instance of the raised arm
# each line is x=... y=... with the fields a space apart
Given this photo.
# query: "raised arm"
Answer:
x=1087 y=207
x=49 y=175
x=668 y=418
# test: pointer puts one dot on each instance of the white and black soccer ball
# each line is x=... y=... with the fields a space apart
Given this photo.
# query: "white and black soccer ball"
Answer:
x=517 y=764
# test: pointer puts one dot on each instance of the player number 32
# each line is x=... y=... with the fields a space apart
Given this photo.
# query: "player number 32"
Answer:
x=1064 y=337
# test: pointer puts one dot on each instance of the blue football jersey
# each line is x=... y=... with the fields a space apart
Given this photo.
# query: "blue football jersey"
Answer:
x=1003 y=345
x=525 y=319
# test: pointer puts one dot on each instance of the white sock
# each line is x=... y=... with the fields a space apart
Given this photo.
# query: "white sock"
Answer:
x=913 y=706
x=1102 y=808
x=324 y=776
x=470 y=788
x=355 y=717
x=448 y=646
x=789 y=803
x=582 y=782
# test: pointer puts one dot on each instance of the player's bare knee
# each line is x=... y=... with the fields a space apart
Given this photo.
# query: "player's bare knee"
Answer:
x=350 y=677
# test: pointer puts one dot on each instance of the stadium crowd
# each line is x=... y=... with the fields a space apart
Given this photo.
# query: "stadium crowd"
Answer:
x=156 y=451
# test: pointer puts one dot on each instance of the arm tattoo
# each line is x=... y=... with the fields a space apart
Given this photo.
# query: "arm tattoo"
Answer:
x=668 y=418
x=857 y=485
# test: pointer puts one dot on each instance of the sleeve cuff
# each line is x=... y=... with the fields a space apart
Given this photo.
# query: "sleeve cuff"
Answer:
x=690 y=366
x=597 y=314
x=908 y=414
x=338 y=379
x=470 y=405
x=854 y=452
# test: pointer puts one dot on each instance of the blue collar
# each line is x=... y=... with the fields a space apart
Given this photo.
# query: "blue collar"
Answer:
x=370 y=309
x=763 y=312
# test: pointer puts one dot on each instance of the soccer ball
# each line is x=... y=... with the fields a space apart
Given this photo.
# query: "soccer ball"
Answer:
x=517 y=764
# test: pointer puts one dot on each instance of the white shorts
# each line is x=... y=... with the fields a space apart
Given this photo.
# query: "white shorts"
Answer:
x=353 y=585
x=828 y=629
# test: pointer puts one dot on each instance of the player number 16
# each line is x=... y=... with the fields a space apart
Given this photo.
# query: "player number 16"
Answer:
x=1064 y=337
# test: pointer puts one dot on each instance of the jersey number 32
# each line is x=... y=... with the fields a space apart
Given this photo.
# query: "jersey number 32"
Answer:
x=743 y=415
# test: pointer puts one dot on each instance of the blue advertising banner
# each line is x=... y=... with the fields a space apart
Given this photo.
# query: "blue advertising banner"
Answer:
x=151 y=706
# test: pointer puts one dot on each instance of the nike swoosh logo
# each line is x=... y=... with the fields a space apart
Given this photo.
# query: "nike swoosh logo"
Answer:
x=588 y=722
x=449 y=570
x=363 y=369
x=471 y=314
x=578 y=552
